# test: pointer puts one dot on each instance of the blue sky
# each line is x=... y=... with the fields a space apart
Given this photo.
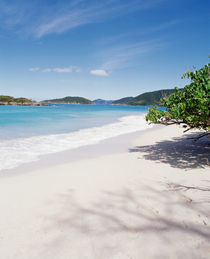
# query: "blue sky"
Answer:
x=99 y=49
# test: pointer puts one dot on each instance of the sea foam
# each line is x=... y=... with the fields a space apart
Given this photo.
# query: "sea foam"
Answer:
x=23 y=150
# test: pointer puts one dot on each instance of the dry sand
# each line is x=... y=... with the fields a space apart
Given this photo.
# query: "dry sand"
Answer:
x=151 y=201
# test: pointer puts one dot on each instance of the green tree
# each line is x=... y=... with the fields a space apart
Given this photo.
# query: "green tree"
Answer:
x=22 y=100
x=189 y=106
x=6 y=98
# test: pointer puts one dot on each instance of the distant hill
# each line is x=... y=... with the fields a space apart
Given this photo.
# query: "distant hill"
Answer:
x=148 y=98
x=151 y=98
x=124 y=100
x=69 y=100
x=102 y=102
x=9 y=100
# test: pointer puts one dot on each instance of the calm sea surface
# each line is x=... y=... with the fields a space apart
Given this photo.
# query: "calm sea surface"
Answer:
x=27 y=132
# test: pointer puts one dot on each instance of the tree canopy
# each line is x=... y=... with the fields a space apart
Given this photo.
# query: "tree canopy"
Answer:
x=189 y=106
x=151 y=98
x=9 y=99
x=70 y=99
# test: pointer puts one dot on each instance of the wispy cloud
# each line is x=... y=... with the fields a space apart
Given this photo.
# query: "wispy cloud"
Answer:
x=138 y=33
x=66 y=69
x=85 y=12
x=61 y=16
x=34 y=69
x=123 y=56
x=99 y=72
x=69 y=69
x=16 y=13
x=47 y=70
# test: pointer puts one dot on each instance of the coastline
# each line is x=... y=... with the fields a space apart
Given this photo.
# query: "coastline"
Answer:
x=112 y=145
x=23 y=104
x=21 y=150
x=146 y=198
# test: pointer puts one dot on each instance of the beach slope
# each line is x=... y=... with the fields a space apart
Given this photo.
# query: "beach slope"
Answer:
x=151 y=201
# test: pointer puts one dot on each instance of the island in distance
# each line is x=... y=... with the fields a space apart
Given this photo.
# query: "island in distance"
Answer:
x=9 y=100
x=149 y=99
x=69 y=100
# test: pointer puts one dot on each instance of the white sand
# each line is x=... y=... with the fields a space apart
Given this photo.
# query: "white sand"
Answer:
x=150 y=202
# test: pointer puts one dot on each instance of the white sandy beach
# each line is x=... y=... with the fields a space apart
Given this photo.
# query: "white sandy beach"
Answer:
x=150 y=201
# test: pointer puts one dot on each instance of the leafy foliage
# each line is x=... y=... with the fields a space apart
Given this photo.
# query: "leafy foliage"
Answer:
x=22 y=100
x=150 y=98
x=6 y=98
x=10 y=99
x=124 y=100
x=190 y=106
x=70 y=99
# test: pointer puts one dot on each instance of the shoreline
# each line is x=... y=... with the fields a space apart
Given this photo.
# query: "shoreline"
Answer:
x=148 y=199
x=20 y=151
x=22 y=104
x=113 y=145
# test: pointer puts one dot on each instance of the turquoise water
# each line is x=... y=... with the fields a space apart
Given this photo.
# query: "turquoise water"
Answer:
x=27 y=133
x=27 y=121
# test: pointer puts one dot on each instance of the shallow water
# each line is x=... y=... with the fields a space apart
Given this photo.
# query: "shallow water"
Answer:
x=28 y=132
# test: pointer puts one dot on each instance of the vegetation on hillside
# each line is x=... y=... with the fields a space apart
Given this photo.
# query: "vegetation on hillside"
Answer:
x=124 y=100
x=190 y=106
x=150 y=98
x=70 y=100
x=10 y=99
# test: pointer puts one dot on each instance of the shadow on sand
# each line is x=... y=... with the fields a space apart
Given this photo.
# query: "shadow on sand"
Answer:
x=132 y=221
x=183 y=152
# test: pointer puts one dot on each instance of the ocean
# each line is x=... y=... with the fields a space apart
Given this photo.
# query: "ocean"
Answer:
x=27 y=132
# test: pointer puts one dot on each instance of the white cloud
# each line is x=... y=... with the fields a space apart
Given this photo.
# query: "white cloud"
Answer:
x=69 y=69
x=78 y=70
x=46 y=70
x=66 y=69
x=34 y=69
x=99 y=72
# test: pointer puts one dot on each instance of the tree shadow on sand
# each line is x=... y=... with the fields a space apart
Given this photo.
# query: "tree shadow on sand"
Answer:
x=183 y=152
x=163 y=216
